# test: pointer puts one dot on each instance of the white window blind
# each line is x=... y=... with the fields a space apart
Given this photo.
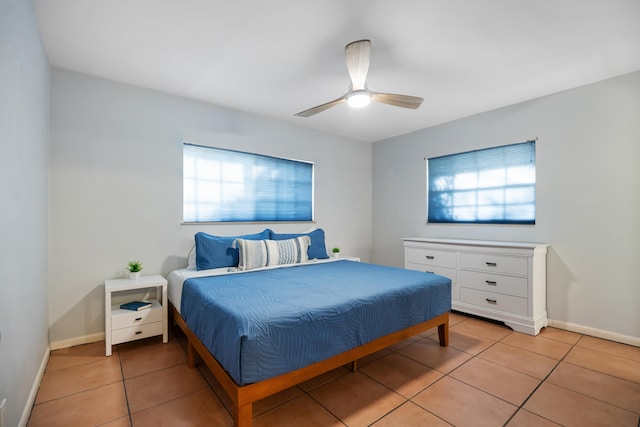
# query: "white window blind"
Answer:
x=231 y=186
x=491 y=186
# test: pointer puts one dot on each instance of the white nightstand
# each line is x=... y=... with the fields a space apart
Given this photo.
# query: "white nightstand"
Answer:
x=127 y=325
x=346 y=258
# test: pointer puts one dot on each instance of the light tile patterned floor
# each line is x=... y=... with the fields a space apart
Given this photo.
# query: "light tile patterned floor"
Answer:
x=488 y=376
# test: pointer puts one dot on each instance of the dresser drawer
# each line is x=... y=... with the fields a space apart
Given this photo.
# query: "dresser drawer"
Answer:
x=127 y=318
x=451 y=273
x=136 y=332
x=508 y=285
x=494 y=263
x=432 y=257
x=494 y=301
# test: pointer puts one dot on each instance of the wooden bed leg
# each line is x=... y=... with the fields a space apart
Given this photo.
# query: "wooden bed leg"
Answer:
x=443 y=334
x=242 y=415
x=354 y=366
x=191 y=357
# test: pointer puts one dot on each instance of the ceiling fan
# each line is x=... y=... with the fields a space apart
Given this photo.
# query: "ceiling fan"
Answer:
x=357 y=54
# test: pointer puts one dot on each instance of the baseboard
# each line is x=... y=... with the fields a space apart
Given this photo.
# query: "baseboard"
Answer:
x=26 y=413
x=598 y=333
x=86 y=339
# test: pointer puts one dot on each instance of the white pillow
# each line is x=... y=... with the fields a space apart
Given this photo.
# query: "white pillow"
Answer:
x=191 y=258
x=263 y=253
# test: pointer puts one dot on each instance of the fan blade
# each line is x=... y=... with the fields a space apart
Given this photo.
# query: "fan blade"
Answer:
x=358 y=54
x=404 y=101
x=321 y=108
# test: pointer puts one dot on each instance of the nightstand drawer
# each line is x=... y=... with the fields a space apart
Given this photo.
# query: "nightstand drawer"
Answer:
x=508 y=285
x=432 y=257
x=136 y=332
x=451 y=273
x=127 y=318
x=498 y=302
x=494 y=263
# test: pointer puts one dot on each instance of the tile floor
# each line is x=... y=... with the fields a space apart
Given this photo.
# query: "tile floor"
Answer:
x=488 y=376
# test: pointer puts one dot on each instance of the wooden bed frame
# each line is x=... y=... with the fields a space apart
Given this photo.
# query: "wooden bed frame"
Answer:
x=243 y=397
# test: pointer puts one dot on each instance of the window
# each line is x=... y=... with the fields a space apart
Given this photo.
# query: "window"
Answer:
x=490 y=186
x=232 y=186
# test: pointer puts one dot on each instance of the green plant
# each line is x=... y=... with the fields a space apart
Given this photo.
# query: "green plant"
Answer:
x=336 y=250
x=135 y=266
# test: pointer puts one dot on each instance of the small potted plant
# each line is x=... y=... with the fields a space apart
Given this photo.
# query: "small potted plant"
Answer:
x=336 y=252
x=134 y=268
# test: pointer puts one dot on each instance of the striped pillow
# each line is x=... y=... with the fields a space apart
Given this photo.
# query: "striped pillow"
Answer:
x=263 y=253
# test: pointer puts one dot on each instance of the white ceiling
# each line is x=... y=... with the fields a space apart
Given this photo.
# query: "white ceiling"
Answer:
x=278 y=57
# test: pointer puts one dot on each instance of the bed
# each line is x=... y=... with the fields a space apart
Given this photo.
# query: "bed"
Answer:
x=267 y=328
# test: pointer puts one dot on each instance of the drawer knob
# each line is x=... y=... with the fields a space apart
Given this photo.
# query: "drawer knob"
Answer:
x=491 y=301
x=491 y=282
x=430 y=257
x=138 y=318
x=138 y=333
x=491 y=264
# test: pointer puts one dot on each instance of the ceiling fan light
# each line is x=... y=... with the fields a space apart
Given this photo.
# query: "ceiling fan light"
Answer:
x=359 y=99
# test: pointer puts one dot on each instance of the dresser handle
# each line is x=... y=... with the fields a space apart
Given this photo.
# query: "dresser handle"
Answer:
x=490 y=282
x=491 y=301
x=427 y=271
x=430 y=257
x=138 y=333
x=492 y=264
x=138 y=318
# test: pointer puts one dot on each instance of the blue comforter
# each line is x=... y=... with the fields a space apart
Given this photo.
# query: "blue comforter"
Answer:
x=260 y=324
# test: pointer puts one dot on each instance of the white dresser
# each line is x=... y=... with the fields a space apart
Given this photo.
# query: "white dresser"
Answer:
x=505 y=281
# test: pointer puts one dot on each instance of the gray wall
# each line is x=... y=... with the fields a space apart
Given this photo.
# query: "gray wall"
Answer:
x=588 y=196
x=116 y=187
x=24 y=140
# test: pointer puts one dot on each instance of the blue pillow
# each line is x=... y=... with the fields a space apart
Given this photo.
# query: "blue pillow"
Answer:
x=317 y=248
x=218 y=251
